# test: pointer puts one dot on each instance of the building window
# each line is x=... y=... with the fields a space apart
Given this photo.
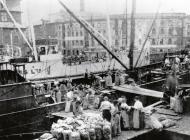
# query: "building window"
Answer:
x=81 y=43
x=72 y=33
x=169 y=41
x=77 y=52
x=170 y=31
x=68 y=52
x=162 y=31
x=73 y=52
x=77 y=34
x=153 y=42
x=73 y=43
x=153 y=31
x=77 y=43
x=4 y=17
x=81 y=33
x=161 y=42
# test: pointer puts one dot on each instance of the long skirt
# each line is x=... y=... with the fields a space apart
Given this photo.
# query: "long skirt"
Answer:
x=125 y=119
x=136 y=119
x=116 y=126
x=106 y=114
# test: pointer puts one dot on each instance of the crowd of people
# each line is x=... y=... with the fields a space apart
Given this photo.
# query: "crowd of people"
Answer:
x=78 y=59
x=88 y=96
x=177 y=63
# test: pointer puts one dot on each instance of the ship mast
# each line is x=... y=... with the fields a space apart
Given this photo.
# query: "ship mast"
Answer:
x=126 y=20
x=132 y=36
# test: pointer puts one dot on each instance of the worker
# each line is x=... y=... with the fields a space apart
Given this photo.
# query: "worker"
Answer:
x=138 y=106
x=171 y=85
x=79 y=109
x=106 y=108
x=69 y=84
x=116 y=120
x=69 y=98
x=122 y=78
x=90 y=99
x=178 y=104
x=108 y=80
x=117 y=78
x=124 y=114
x=167 y=63
x=63 y=90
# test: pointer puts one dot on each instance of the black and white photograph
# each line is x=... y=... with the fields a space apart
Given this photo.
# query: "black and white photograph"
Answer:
x=94 y=69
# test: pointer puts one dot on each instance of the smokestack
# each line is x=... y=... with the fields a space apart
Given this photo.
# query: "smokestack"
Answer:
x=82 y=6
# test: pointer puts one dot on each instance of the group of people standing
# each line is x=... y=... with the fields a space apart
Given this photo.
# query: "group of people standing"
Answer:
x=122 y=116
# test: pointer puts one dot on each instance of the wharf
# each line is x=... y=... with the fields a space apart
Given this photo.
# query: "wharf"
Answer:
x=125 y=135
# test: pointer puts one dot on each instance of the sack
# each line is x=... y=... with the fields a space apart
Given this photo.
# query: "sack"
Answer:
x=92 y=134
x=98 y=132
x=75 y=136
x=107 y=132
x=46 y=136
x=67 y=134
x=155 y=124
x=168 y=123
x=84 y=135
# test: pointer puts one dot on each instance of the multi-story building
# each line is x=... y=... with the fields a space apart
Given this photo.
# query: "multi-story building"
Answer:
x=168 y=29
x=50 y=34
x=9 y=35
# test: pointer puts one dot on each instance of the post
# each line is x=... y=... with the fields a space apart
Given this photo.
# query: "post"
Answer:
x=132 y=37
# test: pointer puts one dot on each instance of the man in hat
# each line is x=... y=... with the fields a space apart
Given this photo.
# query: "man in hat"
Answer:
x=108 y=79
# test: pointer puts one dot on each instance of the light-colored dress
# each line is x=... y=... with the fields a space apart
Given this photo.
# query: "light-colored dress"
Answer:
x=136 y=114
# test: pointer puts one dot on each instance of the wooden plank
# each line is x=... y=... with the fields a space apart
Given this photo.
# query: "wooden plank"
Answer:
x=139 y=91
x=184 y=86
x=166 y=112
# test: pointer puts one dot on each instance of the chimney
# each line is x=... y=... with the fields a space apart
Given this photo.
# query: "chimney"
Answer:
x=82 y=6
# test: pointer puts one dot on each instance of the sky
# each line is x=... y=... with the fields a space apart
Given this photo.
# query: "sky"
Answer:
x=34 y=10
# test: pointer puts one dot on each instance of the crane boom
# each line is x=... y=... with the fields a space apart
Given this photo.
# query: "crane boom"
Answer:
x=97 y=36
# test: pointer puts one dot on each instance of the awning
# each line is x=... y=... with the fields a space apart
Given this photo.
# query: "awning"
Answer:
x=137 y=90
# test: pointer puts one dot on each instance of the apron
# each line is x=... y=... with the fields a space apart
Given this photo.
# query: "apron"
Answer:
x=125 y=119
x=116 y=127
x=136 y=119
